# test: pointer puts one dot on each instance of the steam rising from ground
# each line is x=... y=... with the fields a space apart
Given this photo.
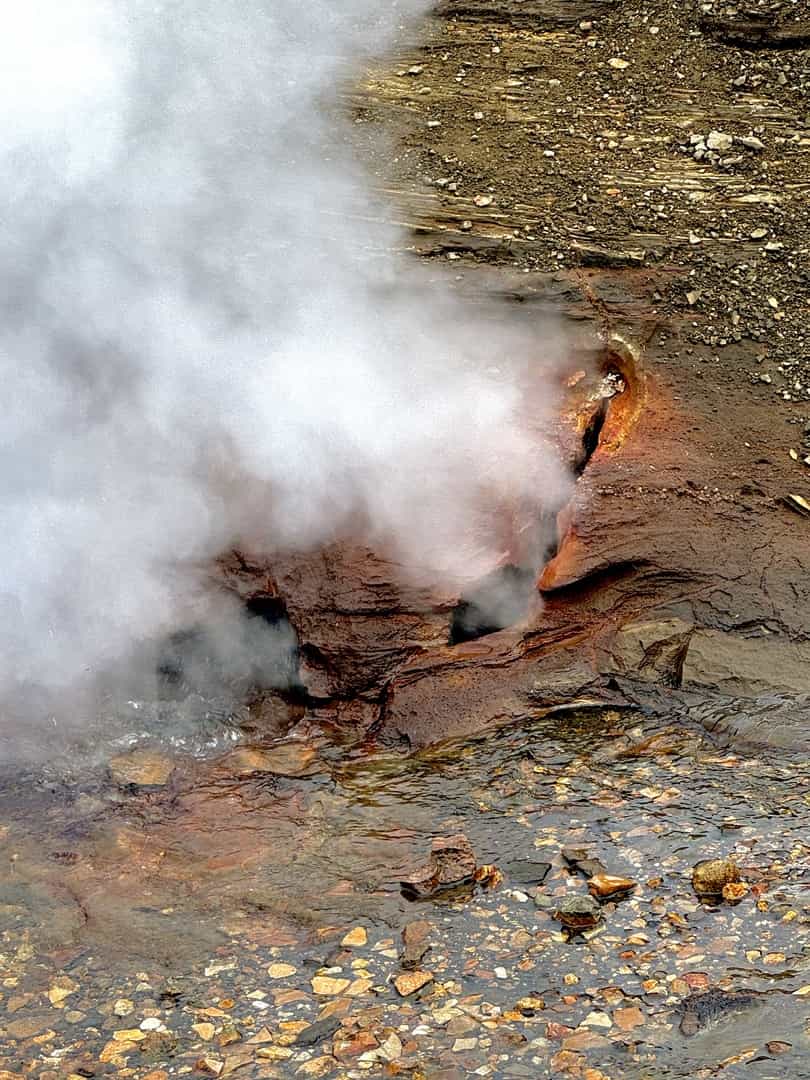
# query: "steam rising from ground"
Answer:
x=198 y=343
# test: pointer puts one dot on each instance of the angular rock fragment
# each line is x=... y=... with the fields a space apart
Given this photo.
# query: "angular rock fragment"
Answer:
x=318 y=1031
x=415 y=940
x=578 y=912
x=580 y=859
x=326 y=986
x=527 y=871
x=735 y=891
x=610 y=887
x=451 y=864
x=409 y=982
x=488 y=876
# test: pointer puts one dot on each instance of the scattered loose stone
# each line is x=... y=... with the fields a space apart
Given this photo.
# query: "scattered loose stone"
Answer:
x=280 y=971
x=415 y=939
x=318 y=1031
x=578 y=912
x=580 y=859
x=451 y=864
x=735 y=891
x=628 y=1018
x=527 y=871
x=710 y=876
x=719 y=140
x=410 y=981
x=325 y=986
x=355 y=938
x=608 y=887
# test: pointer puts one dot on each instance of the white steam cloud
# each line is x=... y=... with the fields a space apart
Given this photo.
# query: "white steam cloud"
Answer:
x=198 y=342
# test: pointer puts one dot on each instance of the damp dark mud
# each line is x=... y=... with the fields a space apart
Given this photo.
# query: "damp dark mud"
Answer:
x=200 y=911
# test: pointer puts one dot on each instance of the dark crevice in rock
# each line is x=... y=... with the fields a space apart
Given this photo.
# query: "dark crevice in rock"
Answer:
x=496 y=602
x=256 y=652
x=590 y=436
x=502 y=598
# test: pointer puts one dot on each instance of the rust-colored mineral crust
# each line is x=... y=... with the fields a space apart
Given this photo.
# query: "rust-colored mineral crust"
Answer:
x=681 y=578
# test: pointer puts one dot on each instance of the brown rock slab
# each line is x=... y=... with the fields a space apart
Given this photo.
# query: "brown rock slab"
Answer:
x=628 y=1018
x=451 y=864
x=415 y=939
x=348 y=1047
x=287 y=759
x=409 y=982
x=610 y=887
x=144 y=768
x=355 y=938
x=326 y=986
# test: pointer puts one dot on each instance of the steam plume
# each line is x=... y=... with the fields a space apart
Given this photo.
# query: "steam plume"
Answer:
x=197 y=342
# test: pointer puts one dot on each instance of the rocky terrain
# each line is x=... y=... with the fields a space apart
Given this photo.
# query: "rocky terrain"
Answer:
x=634 y=178
x=631 y=178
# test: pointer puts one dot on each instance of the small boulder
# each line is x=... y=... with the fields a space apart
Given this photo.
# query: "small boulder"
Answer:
x=578 y=912
x=451 y=864
x=710 y=876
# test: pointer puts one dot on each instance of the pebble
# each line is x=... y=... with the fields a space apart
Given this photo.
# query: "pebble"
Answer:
x=719 y=140
x=280 y=971
x=355 y=938
x=326 y=986
x=410 y=981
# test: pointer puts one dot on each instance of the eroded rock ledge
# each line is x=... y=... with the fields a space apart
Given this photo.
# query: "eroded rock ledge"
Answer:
x=679 y=580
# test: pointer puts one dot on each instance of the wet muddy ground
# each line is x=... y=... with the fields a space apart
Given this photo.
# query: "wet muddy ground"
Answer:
x=200 y=920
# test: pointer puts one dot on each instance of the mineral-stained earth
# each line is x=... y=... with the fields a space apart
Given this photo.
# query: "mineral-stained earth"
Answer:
x=632 y=177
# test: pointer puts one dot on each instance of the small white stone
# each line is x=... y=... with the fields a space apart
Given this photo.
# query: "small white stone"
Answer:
x=719 y=140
